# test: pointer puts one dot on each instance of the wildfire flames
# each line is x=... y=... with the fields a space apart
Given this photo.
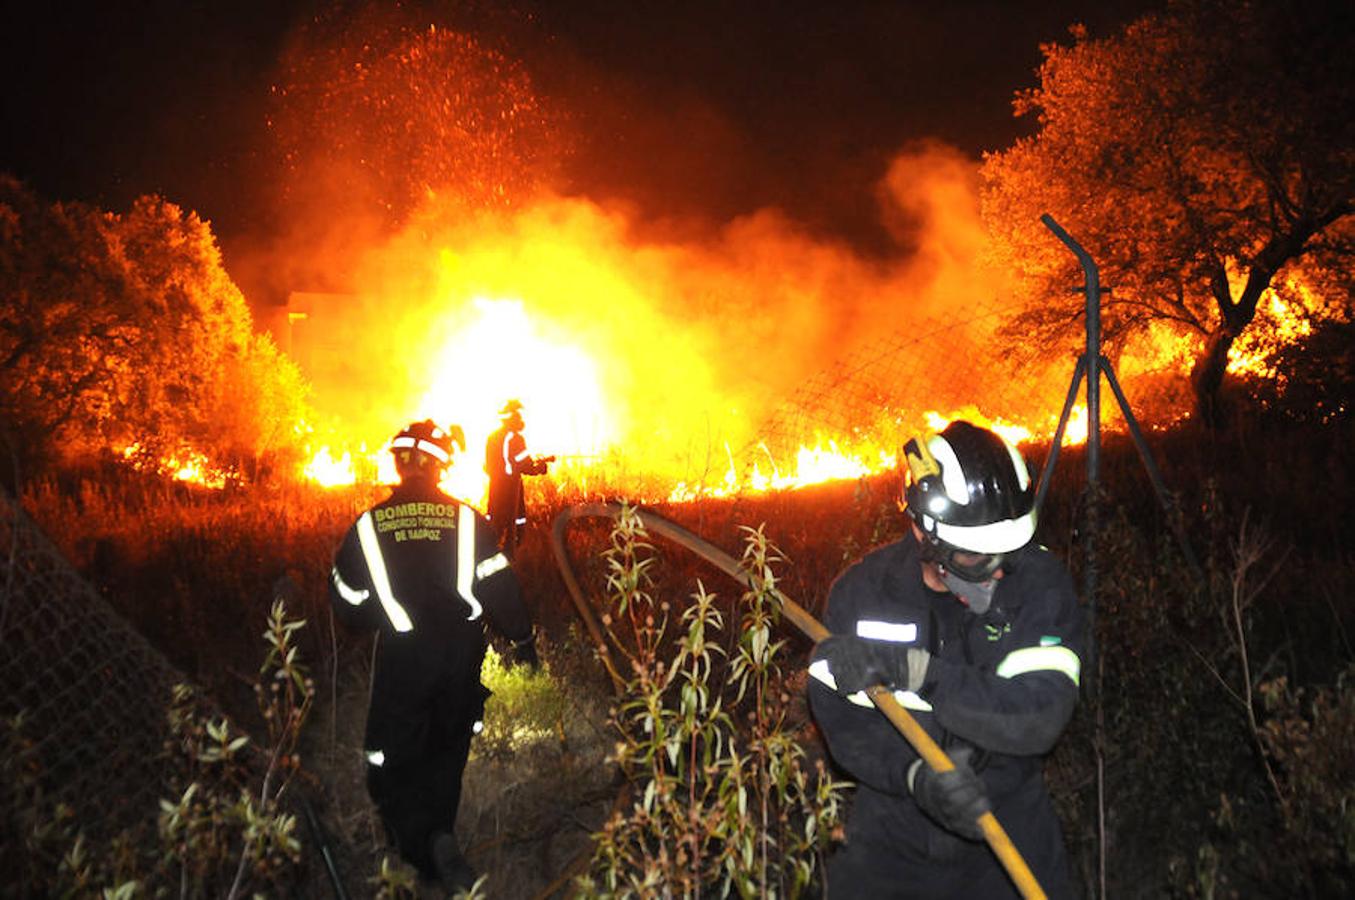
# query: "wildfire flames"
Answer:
x=487 y=350
x=647 y=365
x=483 y=351
x=570 y=418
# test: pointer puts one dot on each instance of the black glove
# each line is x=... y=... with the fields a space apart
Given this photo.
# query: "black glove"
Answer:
x=954 y=799
x=524 y=652
x=857 y=663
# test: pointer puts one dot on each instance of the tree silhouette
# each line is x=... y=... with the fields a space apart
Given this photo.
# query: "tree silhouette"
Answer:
x=1198 y=154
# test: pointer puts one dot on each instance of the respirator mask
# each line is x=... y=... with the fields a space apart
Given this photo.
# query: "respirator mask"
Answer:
x=969 y=576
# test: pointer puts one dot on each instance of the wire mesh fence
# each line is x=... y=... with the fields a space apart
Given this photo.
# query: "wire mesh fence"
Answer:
x=91 y=691
x=880 y=394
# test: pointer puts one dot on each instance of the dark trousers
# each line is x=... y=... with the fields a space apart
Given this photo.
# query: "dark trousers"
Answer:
x=506 y=506
x=882 y=860
x=418 y=800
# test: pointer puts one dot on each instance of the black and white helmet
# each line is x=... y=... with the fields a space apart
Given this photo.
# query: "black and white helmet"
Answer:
x=426 y=445
x=969 y=491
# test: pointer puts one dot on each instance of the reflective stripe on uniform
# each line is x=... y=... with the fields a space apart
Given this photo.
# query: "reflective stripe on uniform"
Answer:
x=376 y=565
x=487 y=567
x=1041 y=659
x=899 y=632
x=907 y=699
x=376 y=757
x=521 y=456
x=353 y=595
x=465 y=559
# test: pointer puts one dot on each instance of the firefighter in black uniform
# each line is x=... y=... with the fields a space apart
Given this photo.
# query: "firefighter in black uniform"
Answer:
x=506 y=461
x=423 y=571
x=979 y=633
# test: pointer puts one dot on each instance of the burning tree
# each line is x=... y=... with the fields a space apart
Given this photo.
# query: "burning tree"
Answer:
x=123 y=331
x=1200 y=155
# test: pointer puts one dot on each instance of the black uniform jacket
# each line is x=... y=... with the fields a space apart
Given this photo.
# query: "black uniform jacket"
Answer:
x=506 y=461
x=424 y=571
x=1005 y=682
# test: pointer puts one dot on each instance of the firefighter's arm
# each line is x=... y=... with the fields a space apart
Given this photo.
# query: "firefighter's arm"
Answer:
x=497 y=586
x=863 y=742
x=1021 y=707
x=350 y=588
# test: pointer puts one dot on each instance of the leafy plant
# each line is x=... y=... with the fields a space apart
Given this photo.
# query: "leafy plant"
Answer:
x=725 y=803
x=223 y=832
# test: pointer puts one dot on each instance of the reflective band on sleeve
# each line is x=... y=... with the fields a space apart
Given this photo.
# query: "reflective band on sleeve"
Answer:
x=376 y=757
x=487 y=567
x=521 y=520
x=376 y=565
x=909 y=700
x=521 y=456
x=405 y=440
x=477 y=727
x=901 y=632
x=353 y=595
x=465 y=559
x=819 y=669
x=1041 y=659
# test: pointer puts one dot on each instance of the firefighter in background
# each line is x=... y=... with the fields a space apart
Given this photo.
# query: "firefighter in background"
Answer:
x=423 y=571
x=506 y=461
x=979 y=633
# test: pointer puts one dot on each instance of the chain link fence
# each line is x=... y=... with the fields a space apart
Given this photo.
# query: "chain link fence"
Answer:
x=91 y=691
x=879 y=395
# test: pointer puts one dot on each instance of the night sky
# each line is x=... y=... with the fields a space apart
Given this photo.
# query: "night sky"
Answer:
x=697 y=109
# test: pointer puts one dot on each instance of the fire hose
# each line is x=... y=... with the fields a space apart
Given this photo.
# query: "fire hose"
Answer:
x=881 y=696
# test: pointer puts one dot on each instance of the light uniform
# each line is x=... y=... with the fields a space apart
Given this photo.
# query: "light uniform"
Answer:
x=1004 y=682
x=425 y=573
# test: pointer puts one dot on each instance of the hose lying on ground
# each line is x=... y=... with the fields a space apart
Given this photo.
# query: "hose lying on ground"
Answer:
x=880 y=695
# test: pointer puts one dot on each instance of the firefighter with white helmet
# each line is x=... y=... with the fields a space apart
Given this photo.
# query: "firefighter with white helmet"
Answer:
x=979 y=633
x=423 y=571
x=506 y=461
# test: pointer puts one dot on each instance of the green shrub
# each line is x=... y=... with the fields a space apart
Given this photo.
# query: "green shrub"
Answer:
x=720 y=796
x=224 y=831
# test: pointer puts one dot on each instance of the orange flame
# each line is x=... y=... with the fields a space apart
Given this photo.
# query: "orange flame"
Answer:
x=188 y=466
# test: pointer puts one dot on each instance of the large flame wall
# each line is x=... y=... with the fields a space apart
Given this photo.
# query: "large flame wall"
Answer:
x=651 y=353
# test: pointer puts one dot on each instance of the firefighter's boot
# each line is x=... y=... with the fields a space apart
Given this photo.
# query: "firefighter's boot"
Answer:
x=455 y=872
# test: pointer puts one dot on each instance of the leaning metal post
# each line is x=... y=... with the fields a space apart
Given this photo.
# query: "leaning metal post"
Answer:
x=1090 y=366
